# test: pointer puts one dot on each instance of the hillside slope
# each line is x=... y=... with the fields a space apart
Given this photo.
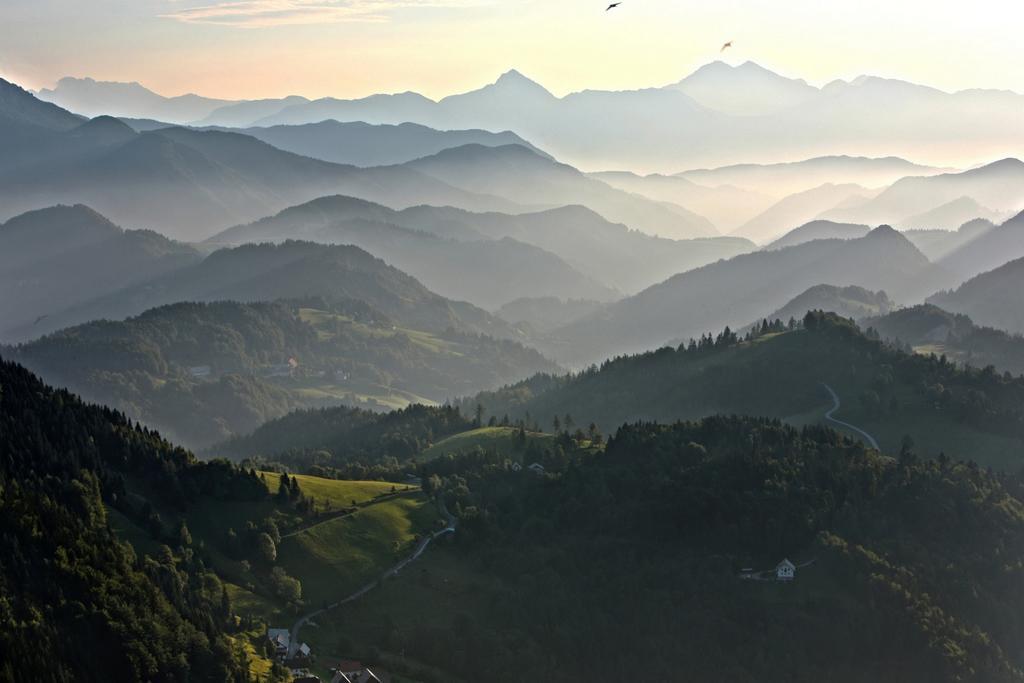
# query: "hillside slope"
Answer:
x=80 y=604
x=929 y=329
x=889 y=393
x=487 y=273
x=203 y=372
x=745 y=288
x=291 y=270
x=64 y=255
x=526 y=178
x=991 y=299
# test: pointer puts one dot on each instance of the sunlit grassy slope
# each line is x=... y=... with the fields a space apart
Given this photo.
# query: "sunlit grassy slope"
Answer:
x=339 y=493
x=504 y=440
x=335 y=558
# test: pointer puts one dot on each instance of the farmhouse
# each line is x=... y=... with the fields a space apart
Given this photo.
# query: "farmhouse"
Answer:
x=280 y=638
x=785 y=571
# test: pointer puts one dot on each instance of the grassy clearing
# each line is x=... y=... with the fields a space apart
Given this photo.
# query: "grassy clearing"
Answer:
x=339 y=493
x=504 y=440
x=335 y=558
x=431 y=594
x=247 y=603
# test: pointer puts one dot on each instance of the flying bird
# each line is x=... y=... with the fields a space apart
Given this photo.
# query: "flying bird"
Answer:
x=726 y=46
x=40 y=319
x=612 y=6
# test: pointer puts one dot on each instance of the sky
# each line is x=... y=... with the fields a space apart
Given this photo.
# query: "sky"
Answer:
x=242 y=49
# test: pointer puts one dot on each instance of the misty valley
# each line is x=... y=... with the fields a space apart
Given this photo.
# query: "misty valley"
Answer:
x=721 y=380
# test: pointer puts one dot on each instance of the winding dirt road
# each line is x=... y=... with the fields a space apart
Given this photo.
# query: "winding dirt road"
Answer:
x=293 y=644
x=836 y=405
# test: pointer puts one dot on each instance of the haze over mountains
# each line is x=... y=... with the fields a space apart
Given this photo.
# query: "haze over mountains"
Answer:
x=742 y=289
x=748 y=111
x=595 y=363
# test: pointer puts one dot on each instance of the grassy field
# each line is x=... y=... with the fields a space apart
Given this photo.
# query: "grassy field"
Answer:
x=339 y=493
x=429 y=594
x=503 y=440
x=335 y=558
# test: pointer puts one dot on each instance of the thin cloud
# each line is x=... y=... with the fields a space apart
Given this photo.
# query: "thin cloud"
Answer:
x=265 y=13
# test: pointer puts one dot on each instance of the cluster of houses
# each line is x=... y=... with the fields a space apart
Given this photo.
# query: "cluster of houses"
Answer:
x=347 y=671
x=281 y=639
x=535 y=468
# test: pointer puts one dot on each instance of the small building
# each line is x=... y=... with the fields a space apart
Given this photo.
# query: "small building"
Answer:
x=281 y=639
x=785 y=571
x=537 y=468
x=303 y=650
x=198 y=371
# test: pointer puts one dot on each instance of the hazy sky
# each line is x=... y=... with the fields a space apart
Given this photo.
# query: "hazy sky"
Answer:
x=263 y=48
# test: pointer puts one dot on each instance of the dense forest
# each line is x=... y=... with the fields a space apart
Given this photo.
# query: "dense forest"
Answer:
x=76 y=603
x=778 y=371
x=309 y=440
x=204 y=371
x=908 y=569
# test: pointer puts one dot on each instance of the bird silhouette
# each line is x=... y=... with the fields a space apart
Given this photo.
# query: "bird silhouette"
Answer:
x=40 y=319
x=727 y=45
x=612 y=6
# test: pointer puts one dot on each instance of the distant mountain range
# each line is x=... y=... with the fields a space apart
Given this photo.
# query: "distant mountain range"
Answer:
x=718 y=115
x=745 y=288
x=798 y=209
x=450 y=249
x=191 y=183
x=188 y=184
x=293 y=270
x=727 y=206
x=56 y=258
x=518 y=174
x=483 y=271
x=992 y=298
x=915 y=202
x=92 y=98
x=986 y=247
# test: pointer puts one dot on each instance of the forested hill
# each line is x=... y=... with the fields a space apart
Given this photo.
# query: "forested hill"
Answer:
x=627 y=566
x=202 y=372
x=929 y=329
x=266 y=272
x=76 y=604
x=892 y=394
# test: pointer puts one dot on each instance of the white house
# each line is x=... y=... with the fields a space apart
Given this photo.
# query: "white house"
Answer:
x=281 y=638
x=536 y=468
x=785 y=571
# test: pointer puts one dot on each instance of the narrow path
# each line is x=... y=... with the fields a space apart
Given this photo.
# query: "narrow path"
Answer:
x=345 y=513
x=836 y=404
x=293 y=644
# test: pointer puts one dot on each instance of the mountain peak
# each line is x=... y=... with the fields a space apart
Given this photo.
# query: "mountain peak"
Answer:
x=884 y=231
x=515 y=79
